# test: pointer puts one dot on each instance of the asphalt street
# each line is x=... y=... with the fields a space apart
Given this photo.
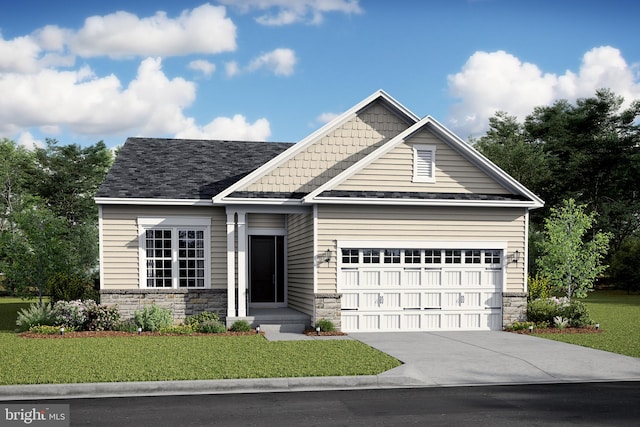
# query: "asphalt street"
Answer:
x=585 y=404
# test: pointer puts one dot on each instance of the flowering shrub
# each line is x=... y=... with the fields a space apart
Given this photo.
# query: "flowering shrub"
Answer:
x=72 y=314
x=86 y=315
x=101 y=317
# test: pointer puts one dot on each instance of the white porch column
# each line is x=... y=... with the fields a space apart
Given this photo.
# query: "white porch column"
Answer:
x=242 y=264
x=231 y=264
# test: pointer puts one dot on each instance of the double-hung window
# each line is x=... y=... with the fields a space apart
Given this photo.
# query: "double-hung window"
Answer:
x=175 y=252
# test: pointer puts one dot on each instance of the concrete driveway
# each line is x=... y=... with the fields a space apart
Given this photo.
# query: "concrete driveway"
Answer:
x=482 y=358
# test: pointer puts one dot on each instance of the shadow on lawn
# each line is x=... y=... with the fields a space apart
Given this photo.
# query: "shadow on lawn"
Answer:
x=9 y=314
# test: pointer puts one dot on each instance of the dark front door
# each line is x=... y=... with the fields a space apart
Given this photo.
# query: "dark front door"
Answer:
x=266 y=270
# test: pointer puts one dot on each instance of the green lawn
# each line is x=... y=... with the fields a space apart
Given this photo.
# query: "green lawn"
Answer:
x=619 y=318
x=159 y=358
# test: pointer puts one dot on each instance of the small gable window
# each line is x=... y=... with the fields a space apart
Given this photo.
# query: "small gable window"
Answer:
x=424 y=163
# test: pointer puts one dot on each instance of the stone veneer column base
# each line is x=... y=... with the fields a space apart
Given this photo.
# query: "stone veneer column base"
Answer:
x=328 y=306
x=183 y=302
x=514 y=308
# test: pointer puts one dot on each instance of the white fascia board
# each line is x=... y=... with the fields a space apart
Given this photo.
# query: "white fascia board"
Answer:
x=312 y=138
x=257 y=201
x=487 y=165
x=151 y=202
x=423 y=202
x=370 y=158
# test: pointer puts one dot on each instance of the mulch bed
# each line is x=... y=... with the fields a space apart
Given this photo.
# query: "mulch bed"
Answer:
x=103 y=334
x=560 y=331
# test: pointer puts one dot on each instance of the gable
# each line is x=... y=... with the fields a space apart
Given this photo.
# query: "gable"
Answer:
x=333 y=153
x=394 y=170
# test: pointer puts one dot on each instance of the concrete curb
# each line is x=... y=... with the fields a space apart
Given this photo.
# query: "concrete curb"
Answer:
x=160 y=388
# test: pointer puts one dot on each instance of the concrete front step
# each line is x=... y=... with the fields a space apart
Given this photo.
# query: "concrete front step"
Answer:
x=276 y=320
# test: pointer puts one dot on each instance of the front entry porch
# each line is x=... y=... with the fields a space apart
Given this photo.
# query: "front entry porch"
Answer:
x=279 y=319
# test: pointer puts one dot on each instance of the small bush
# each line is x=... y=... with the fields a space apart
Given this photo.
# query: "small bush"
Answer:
x=205 y=316
x=153 y=318
x=577 y=314
x=101 y=317
x=212 y=327
x=71 y=314
x=177 y=329
x=326 y=325
x=560 y=322
x=542 y=310
x=240 y=326
x=36 y=314
x=128 y=325
x=519 y=326
x=48 y=329
x=539 y=287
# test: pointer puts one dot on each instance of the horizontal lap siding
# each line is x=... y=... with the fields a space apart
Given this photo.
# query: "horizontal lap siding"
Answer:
x=394 y=171
x=272 y=221
x=120 y=242
x=300 y=263
x=428 y=224
x=332 y=154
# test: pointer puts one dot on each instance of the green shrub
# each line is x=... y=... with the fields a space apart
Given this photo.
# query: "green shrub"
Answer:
x=48 y=329
x=519 y=326
x=240 y=326
x=36 y=314
x=63 y=287
x=326 y=325
x=539 y=287
x=128 y=325
x=543 y=310
x=205 y=316
x=212 y=327
x=177 y=329
x=577 y=314
x=153 y=318
x=101 y=317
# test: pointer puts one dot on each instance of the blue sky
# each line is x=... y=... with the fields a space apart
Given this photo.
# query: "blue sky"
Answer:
x=276 y=70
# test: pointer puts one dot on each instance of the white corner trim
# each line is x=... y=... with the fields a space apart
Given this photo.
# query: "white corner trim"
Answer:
x=101 y=245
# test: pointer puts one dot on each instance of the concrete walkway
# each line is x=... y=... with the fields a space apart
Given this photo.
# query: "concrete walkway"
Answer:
x=431 y=359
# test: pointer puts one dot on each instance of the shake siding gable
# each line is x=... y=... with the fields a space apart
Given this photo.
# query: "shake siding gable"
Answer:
x=420 y=224
x=334 y=153
x=394 y=171
x=120 y=242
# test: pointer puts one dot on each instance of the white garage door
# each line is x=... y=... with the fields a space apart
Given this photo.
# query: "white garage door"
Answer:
x=390 y=289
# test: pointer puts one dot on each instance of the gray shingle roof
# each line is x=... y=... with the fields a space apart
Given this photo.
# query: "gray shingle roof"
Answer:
x=160 y=168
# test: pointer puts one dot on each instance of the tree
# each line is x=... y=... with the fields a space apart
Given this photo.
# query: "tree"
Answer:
x=593 y=150
x=506 y=144
x=569 y=260
x=35 y=249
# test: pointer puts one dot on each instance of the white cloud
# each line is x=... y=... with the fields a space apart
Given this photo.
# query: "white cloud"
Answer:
x=293 y=11
x=91 y=105
x=205 y=67
x=28 y=141
x=280 y=61
x=231 y=68
x=236 y=128
x=492 y=81
x=326 y=117
x=19 y=55
x=205 y=29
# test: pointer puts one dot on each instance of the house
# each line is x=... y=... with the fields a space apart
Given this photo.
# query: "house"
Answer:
x=378 y=221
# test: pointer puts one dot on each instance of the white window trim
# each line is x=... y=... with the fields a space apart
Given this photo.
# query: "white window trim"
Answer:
x=416 y=176
x=148 y=223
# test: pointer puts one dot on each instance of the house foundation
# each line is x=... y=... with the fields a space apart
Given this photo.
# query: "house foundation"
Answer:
x=328 y=306
x=514 y=308
x=182 y=302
